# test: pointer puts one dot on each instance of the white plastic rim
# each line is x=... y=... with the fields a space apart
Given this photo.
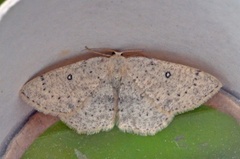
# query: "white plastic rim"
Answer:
x=5 y=6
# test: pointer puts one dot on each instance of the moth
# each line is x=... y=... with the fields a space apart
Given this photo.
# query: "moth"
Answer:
x=140 y=95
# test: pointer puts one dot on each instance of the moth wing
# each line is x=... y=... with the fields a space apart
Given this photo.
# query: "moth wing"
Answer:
x=173 y=87
x=137 y=113
x=97 y=113
x=167 y=87
x=65 y=89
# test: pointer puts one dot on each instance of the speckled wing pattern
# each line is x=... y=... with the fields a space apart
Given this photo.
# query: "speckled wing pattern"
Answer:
x=154 y=91
x=137 y=112
x=139 y=94
x=75 y=93
x=97 y=112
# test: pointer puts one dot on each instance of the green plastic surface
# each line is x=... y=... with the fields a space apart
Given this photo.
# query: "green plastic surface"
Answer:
x=202 y=133
x=1 y=1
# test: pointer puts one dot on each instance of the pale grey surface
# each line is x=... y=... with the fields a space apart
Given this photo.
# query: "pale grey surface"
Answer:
x=33 y=34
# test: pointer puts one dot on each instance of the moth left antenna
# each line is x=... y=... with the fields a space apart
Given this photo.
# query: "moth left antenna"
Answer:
x=99 y=53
